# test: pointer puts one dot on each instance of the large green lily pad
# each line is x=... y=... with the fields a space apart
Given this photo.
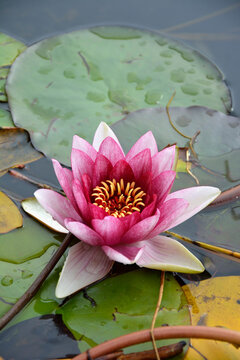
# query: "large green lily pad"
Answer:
x=27 y=243
x=10 y=49
x=67 y=84
x=124 y=304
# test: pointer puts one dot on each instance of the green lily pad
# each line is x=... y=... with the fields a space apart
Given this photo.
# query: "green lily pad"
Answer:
x=15 y=279
x=217 y=146
x=219 y=133
x=124 y=304
x=28 y=242
x=100 y=74
x=5 y=119
x=3 y=76
x=10 y=49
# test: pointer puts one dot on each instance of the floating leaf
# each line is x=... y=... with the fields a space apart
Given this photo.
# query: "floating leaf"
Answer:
x=214 y=302
x=5 y=119
x=124 y=304
x=218 y=227
x=100 y=74
x=3 y=76
x=33 y=208
x=27 y=243
x=16 y=148
x=15 y=279
x=219 y=133
x=10 y=49
x=10 y=216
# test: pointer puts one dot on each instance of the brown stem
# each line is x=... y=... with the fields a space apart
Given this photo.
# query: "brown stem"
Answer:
x=166 y=332
x=156 y=314
x=32 y=290
x=32 y=181
x=227 y=196
x=164 y=352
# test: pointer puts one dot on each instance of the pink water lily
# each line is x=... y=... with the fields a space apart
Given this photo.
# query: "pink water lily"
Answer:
x=117 y=205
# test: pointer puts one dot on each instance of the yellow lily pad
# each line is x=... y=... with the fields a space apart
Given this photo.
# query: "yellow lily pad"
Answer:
x=214 y=302
x=10 y=216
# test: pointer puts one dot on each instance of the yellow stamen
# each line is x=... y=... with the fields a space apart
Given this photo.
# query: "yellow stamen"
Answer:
x=118 y=200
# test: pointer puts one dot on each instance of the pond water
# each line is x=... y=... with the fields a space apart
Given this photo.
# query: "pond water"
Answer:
x=211 y=27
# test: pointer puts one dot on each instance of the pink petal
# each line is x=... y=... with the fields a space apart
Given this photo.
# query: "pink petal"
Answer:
x=101 y=169
x=97 y=212
x=123 y=253
x=101 y=133
x=110 y=228
x=163 y=253
x=169 y=211
x=57 y=205
x=65 y=178
x=147 y=141
x=81 y=164
x=111 y=150
x=84 y=265
x=83 y=232
x=150 y=208
x=87 y=186
x=163 y=161
x=81 y=200
x=122 y=170
x=130 y=220
x=140 y=230
x=198 y=198
x=162 y=184
x=81 y=144
x=141 y=164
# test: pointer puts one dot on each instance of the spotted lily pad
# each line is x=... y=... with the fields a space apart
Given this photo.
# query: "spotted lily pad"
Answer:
x=10 y=49
x=124 y=304
x=100 y=74
x=208 y=299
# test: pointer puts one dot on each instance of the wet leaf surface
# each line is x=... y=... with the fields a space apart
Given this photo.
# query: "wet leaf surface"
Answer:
x=10 y=216
x=10 y=49
x=100 y=74
x=124 y=304
x=214 y=302
x=28 y=242
x=16 y=148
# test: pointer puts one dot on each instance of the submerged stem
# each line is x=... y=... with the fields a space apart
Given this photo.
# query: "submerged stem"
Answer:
x=32 y=290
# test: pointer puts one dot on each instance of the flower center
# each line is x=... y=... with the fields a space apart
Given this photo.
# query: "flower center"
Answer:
x=117 y=199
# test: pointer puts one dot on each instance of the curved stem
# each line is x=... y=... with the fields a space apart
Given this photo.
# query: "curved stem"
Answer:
x=168 y=332
x=156 y=314
x=32 y=290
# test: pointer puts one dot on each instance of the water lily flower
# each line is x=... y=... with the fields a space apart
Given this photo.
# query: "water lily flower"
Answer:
x=117 y=205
